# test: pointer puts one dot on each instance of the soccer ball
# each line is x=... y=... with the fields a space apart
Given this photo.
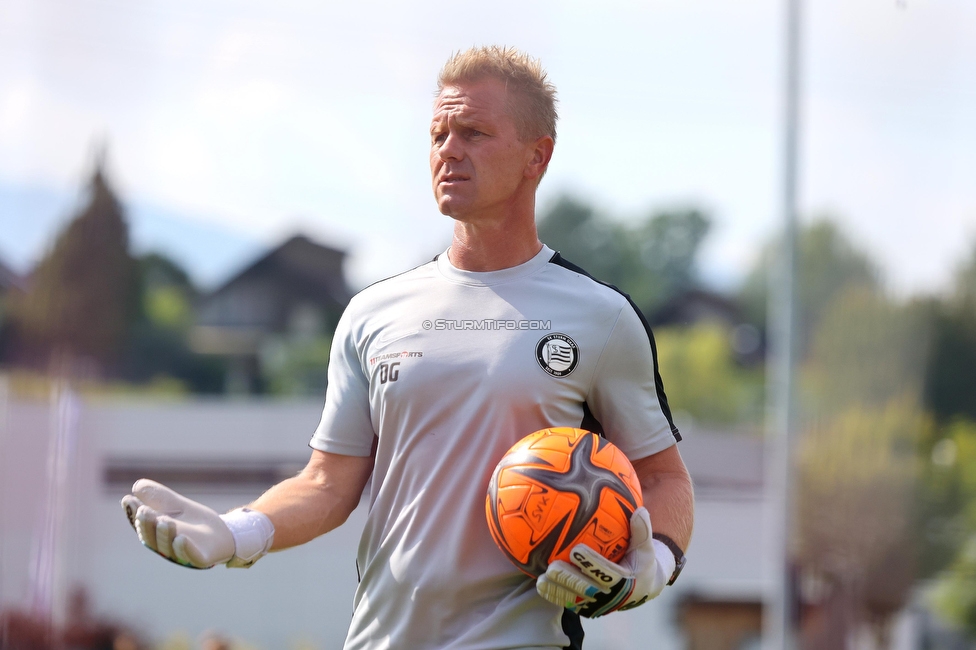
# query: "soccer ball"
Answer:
x=557 y=488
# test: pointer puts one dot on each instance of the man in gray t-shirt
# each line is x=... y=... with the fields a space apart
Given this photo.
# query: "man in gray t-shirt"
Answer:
x=434 y=374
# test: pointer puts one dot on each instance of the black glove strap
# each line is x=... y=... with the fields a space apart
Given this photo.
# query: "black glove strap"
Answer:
x=679 y=556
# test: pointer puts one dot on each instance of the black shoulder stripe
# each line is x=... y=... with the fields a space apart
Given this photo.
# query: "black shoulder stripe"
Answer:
x=558 y=260
x=396 y=275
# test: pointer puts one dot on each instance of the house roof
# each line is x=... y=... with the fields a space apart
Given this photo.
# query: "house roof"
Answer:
x=264 y=295
x=299 y=259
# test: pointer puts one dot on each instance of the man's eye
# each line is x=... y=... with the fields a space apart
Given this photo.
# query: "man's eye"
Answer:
x=438 y=138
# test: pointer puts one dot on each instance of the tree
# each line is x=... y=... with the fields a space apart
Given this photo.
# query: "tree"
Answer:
x=9 y=290
x=158 y=338
x=952 y=494
x=859 y=462
x=857 y=478
x=82 y=294
x=827 y=262
x=667 y=246
x=90 y=300
x=950 y=382
x=947 y=498
x=651 y=261
x=583 y=237
x=866 y=350
x=166 y=292
x=885 y=491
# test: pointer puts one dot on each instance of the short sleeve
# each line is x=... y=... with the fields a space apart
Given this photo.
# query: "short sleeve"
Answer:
x=346 y=427
x=627 y=395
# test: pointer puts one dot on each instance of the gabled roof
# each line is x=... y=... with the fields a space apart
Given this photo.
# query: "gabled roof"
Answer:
x=267 y=294
x=299 y=259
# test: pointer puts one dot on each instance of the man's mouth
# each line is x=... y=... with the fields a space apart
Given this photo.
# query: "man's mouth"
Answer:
x=452 y=178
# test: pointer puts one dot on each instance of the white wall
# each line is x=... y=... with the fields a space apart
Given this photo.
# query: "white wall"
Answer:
x=302 y=595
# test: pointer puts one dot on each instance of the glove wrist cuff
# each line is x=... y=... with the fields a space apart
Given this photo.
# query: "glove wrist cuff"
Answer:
x=665 y=559
x=253 y=535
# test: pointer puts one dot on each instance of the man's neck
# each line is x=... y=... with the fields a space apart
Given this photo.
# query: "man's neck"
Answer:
x=485 y=252
x=494 y=245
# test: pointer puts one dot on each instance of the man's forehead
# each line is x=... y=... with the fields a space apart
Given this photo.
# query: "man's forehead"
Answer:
x=468 y=97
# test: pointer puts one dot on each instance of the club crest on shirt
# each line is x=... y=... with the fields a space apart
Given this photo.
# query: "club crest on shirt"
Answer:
x=557 y=354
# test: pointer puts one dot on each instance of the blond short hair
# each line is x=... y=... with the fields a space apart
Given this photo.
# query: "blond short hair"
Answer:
x=532 y=97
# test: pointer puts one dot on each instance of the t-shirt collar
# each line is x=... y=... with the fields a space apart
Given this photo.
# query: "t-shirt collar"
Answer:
x=487 y=278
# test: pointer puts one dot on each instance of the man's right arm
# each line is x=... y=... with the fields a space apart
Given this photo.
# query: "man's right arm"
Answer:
x=292 y=512
x=320 y=498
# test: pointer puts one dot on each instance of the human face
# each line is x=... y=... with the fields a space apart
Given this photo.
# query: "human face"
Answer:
x=478 y=164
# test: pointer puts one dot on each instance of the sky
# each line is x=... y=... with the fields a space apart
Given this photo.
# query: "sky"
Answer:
x=232 y=124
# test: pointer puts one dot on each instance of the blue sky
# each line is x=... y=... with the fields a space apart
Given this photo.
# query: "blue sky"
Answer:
x=232 y=124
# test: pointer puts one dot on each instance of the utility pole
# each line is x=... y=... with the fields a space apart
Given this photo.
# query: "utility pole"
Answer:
x=780 y=606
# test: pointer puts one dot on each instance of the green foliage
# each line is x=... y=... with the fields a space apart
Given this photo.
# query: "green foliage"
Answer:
x=296 y=365
x=166 y=291
x=155 y=353
x=652 y=260
x=167 y=307
x=947 y=509
x=951 y=529
x=703 y=379
x=947 y=494
x=955 y=595
x=158 y=346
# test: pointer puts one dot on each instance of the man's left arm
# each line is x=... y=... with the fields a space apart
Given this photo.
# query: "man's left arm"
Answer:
x=668 y=494
x=592 y=585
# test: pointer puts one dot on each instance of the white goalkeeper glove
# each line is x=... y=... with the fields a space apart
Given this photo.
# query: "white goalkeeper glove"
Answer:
x=593 y=585
x=193 y=535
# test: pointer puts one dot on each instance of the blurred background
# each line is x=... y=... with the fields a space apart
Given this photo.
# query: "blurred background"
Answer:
x=190 y=193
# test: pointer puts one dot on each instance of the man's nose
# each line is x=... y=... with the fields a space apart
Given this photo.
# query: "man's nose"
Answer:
x=451 y=149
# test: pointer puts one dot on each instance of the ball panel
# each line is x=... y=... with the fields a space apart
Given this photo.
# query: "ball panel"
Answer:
x=512 y=497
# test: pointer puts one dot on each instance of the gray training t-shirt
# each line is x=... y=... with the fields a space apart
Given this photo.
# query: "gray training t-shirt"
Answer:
x=444 y=370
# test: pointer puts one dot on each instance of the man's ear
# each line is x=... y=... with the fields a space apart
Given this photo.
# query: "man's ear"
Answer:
x=541 y=154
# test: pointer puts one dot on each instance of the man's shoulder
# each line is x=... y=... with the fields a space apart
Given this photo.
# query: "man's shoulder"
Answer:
x=392 y=287
x=586 y=286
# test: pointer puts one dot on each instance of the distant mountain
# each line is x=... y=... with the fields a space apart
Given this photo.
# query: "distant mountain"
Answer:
x=31 y=216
